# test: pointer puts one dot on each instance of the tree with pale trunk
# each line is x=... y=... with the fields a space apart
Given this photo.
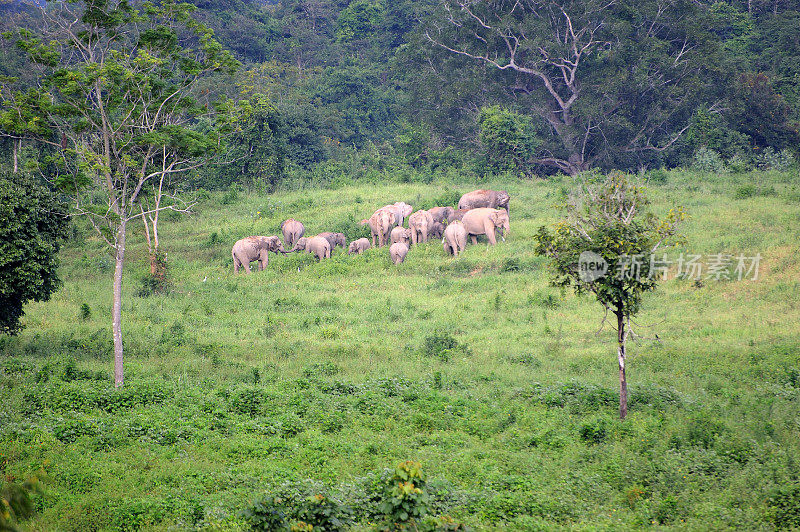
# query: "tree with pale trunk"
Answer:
x=606 y=245
x=115 y=99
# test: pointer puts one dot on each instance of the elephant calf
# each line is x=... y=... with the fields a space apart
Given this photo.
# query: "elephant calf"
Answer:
x=420 y=224
x=436 y=230
x=456 y=215
x=358 y=246
x=252 y=248
x=398 y=252
x=455 y=238
x=400 y=234
x=316 y=245
x=334 y=239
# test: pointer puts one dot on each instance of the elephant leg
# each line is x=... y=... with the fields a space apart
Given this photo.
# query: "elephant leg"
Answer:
x=245 y=264
x=489 y=228
x=474 y=240
x=236 y=263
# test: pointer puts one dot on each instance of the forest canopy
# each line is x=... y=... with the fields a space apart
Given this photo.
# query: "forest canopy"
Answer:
x=561 y=86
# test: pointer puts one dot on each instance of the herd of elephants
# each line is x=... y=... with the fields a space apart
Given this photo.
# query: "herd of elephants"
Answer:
x=480 y=212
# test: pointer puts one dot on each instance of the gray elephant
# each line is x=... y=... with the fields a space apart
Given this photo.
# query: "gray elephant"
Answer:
x=252 y=248
x=400 y=234
x=485 y=221
x=292 y=230
x=420 y=224
x=398 y=252
x=436 y=230
x=455 y=238
x=334 y=239
x=401 y=211
x=441 y=214
x=380 y=224
x=358 y=246
x=456 y=215
x=316 y=245
x=494 y=199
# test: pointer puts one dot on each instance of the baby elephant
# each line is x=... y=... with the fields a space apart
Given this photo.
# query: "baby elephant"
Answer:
x=400 y=234
x=316 y=245
x=455 y=238
x=334 y=239
x=436 y=230
x=358 y=246
x=398 y=252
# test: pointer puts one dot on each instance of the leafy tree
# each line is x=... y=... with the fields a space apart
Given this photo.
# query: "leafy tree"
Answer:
x=607 y=79
x=606 y=224
x=258 y=147
x=32 y=225
x=507 y=138
x=115 y=98
x=762 y=114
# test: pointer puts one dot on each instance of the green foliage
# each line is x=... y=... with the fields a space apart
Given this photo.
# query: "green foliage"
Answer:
x=769 y=159
x=443 y=346
x=783 y=507
x=707 y=160
x=508 y=140
x=404 y=500
x=607 y=217
x=33 y=225
x=299 y=507
x=16 y=502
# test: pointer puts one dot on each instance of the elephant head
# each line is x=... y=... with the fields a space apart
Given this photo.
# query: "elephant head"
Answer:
x=501 y=220
x=300 y=245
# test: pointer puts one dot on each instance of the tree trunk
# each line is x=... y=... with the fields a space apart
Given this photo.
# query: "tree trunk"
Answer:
x=15 y=148
x=117 y=311
x=623 y=383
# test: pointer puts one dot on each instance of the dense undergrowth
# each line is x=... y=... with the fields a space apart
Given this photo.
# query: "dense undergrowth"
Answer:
x=311 y=378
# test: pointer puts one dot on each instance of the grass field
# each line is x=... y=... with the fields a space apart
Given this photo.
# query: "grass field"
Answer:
x=316 y=376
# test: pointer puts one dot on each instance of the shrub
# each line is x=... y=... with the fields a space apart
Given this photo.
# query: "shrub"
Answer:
x=769 y=159
x=321 y=369
x=783 y=507
x=707 y=160
x=85 y=312
x=404 y=501
x=299 y=507
x=657 y=176
x=442 y=346
x=593 y=431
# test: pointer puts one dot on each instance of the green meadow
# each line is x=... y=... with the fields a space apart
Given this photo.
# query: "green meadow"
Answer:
x=315 y=376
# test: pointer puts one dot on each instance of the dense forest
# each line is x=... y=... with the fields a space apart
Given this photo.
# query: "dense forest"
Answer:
x=376 y=87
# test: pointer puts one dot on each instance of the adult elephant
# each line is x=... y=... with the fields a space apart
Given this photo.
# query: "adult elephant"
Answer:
x=358 y=246
x=316 y=245
x=485 y=221
x=401 y=211
x=292 y=231
x=252 y=248
x=441 y=214
x=420 y=224
x=334 y=239
x=380 y=224
x=455 y=238
x=495 y=199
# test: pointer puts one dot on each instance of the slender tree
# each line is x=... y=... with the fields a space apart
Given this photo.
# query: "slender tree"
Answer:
x=606 y=245
x=114 y=97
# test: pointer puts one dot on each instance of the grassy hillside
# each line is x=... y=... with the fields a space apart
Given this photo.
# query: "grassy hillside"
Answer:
x=328 y=372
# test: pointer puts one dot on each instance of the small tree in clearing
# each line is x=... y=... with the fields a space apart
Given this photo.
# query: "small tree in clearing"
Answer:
x=606 y=246
x=116 y=99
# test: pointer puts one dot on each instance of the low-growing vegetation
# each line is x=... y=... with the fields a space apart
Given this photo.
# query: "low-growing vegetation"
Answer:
x=280 y=398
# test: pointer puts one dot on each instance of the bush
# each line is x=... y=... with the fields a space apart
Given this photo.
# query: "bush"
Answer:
x=404 y=501
x=746 y=191
x=442 y=346
x=593 y=431
x=299 y=507
x=657 y=176
x=783 y=507
x=707 y=160
x=769 y=159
